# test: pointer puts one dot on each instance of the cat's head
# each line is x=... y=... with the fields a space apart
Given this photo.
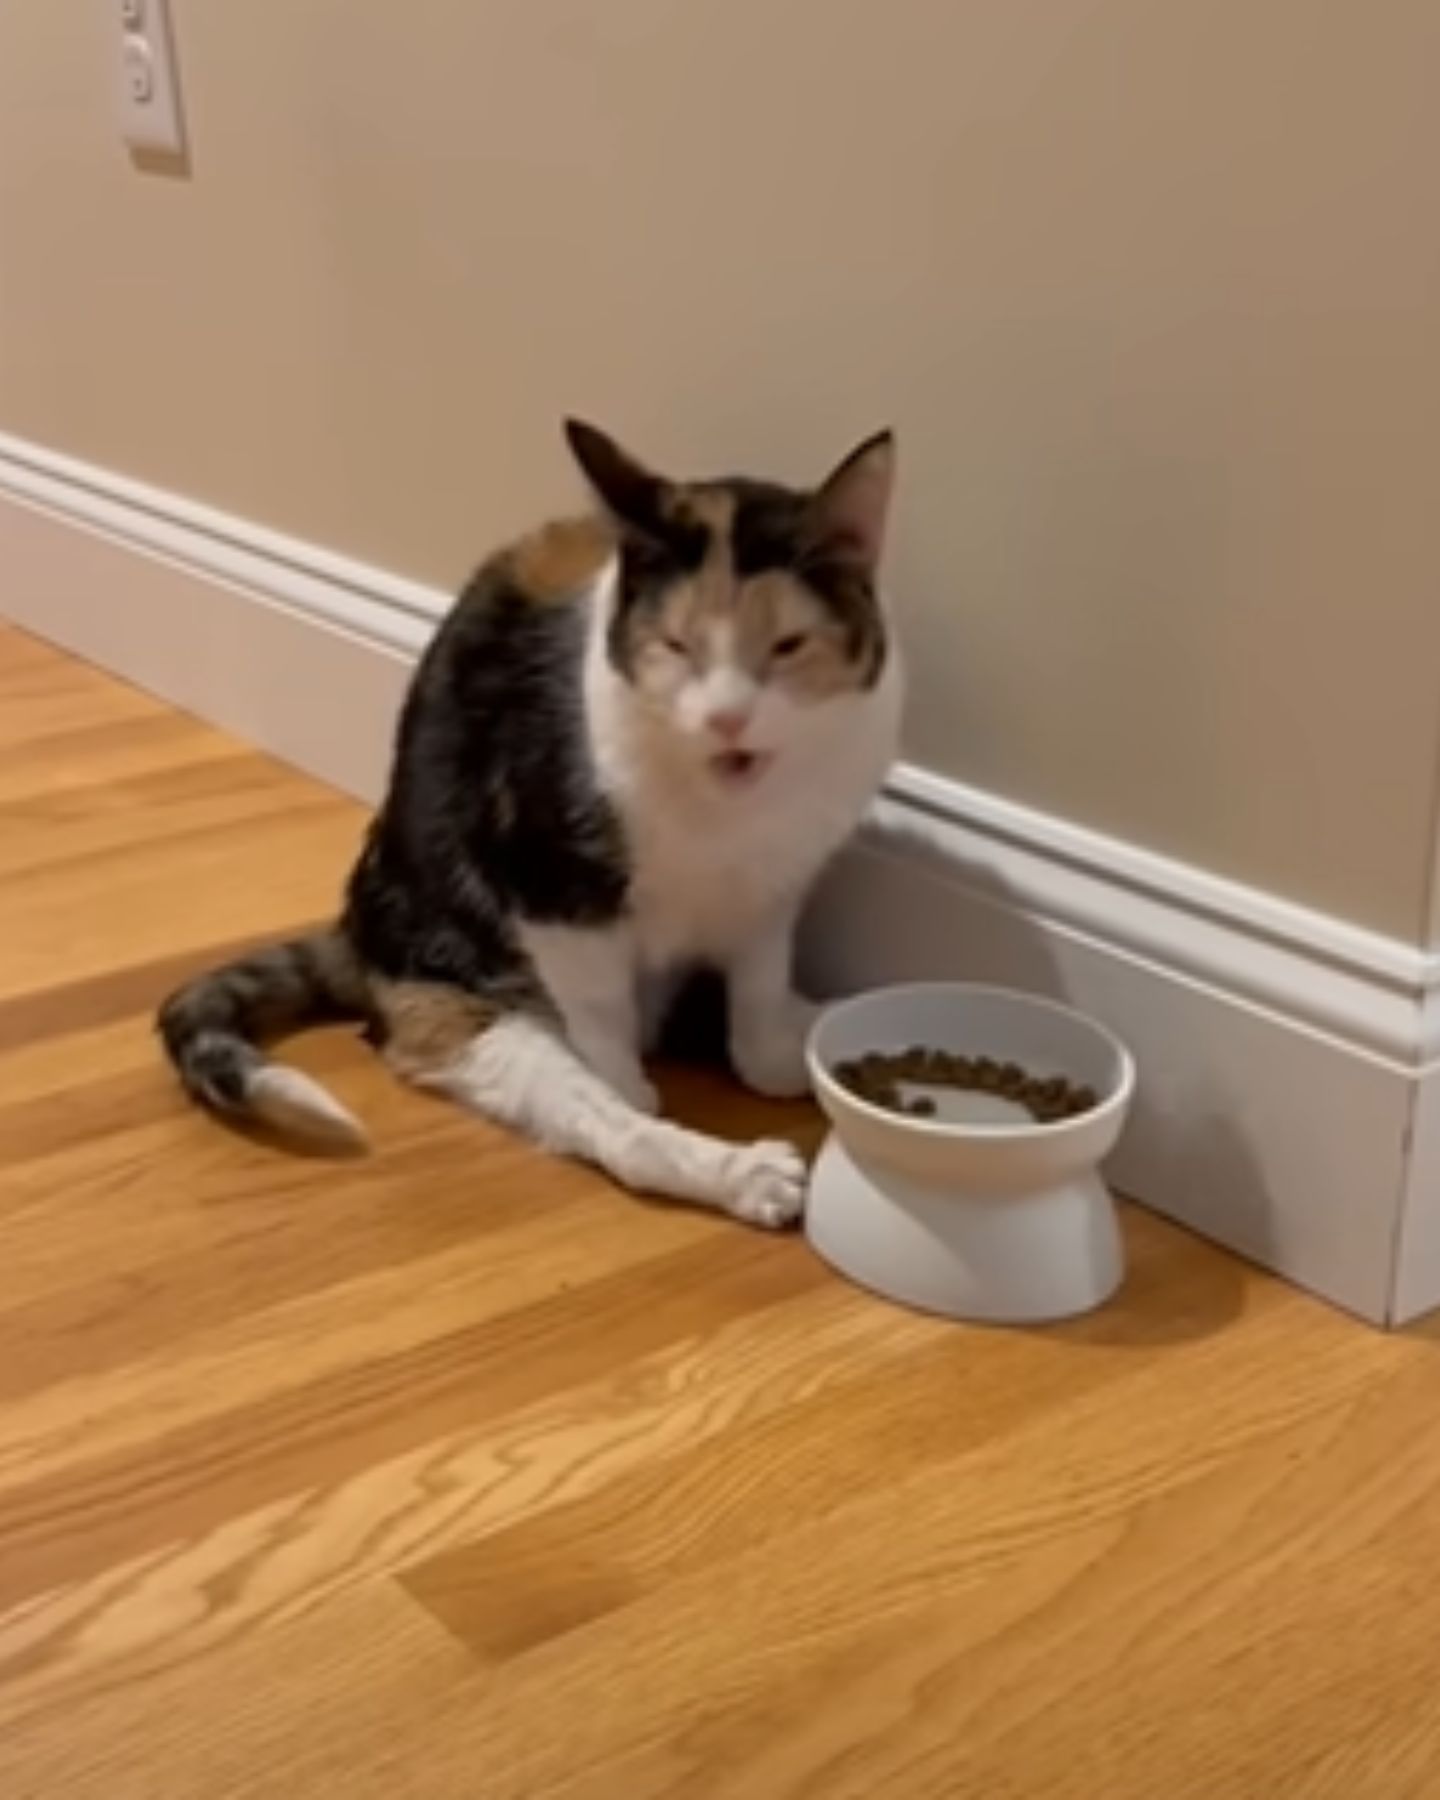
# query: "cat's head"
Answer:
x=743 y=611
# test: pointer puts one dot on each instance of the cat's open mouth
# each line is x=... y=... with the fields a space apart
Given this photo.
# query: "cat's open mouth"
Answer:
x=737 y=768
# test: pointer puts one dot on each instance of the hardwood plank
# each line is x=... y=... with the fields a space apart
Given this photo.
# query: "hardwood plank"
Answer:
x=235 y=1723
x=66 y=922
x=699 y=1506
x=67 y=1524
x=47 y=831
x=866 y=1611
x=167 y=1608
x=45 y=696
x=95 y=755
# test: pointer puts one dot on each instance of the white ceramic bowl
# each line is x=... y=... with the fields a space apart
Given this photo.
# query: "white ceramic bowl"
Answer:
x=978 y=1212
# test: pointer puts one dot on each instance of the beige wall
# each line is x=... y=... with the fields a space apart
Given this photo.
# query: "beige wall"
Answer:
x=1150 y=288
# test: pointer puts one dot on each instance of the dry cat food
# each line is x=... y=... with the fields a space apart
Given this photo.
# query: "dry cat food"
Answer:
x=877 y=1078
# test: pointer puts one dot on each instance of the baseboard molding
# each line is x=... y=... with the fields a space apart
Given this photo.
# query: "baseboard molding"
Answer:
x=284 y=644
x=1290 y=1092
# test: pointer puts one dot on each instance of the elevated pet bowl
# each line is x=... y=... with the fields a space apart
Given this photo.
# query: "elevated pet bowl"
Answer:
x=977 y=1212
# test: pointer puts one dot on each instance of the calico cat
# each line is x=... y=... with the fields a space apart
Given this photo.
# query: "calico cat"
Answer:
x=627 y=752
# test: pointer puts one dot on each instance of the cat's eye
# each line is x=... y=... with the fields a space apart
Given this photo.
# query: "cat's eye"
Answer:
x=789 y=646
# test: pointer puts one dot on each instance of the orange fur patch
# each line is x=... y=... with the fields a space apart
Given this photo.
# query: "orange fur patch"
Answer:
x=427 y=1023
x=560 y=560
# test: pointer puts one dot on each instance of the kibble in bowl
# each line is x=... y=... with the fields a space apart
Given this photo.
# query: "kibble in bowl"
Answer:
x=963 y=1172
x=882 y=1080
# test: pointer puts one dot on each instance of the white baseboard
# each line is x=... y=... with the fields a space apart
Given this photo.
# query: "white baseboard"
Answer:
x=302 y=652
x=1290 y=1087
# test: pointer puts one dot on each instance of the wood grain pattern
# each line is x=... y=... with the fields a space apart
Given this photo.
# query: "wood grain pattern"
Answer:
x=454 y=1472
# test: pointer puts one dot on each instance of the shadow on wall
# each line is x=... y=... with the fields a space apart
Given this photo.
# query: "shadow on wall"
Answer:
x=895 y=907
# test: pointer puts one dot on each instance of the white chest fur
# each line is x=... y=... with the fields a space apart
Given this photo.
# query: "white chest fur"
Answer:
x=707 y=869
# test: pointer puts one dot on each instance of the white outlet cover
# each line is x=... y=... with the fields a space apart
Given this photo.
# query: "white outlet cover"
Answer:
x=146 y=82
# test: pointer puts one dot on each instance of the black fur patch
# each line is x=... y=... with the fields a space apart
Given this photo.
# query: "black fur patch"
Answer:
x=493 y=811
x=769 y=527
x=648 y=566
x=771 y=532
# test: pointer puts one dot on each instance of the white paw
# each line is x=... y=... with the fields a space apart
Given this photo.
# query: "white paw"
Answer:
x=769 y=1054
x=769 y=1185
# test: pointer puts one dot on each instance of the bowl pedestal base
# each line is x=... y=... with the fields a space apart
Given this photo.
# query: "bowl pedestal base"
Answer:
x=1015 y=1259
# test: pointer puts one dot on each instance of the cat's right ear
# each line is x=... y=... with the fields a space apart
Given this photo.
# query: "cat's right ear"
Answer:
x=631 y=492
x=847 y=513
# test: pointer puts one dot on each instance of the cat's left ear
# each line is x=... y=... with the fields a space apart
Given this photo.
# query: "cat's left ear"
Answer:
x=631 y=492
x=848 y=511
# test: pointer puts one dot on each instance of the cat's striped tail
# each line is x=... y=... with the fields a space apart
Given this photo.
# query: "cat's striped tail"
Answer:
x=214 y=1026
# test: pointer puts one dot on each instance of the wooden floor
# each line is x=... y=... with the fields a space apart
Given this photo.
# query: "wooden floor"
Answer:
x=453 y=1472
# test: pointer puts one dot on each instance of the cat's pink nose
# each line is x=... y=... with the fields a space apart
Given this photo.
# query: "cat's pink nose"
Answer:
x=727 y=723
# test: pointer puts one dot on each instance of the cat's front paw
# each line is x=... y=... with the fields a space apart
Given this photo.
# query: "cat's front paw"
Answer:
x=769 y=1185
x=769 y=1054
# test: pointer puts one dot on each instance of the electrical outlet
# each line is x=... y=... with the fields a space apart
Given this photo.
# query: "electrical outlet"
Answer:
x=146 y=82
